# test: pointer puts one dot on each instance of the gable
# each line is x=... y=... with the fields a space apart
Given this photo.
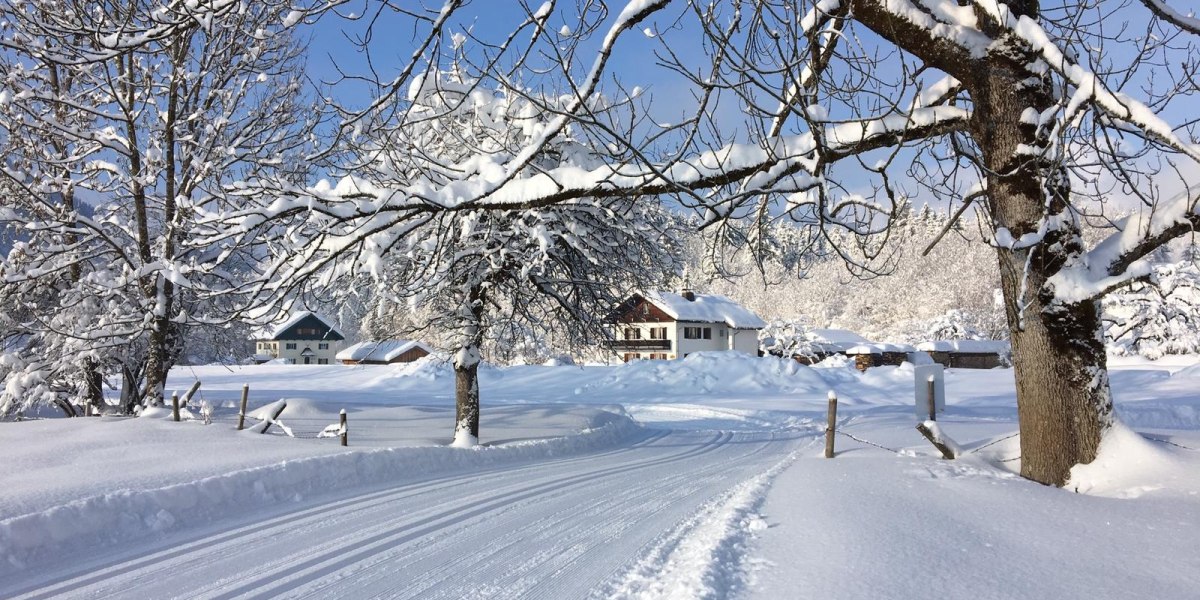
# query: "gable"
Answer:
x=310 y=327
x=640 y=310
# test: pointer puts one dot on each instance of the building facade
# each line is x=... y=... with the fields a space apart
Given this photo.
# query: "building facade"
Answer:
x=304 y=339
x=666 y=326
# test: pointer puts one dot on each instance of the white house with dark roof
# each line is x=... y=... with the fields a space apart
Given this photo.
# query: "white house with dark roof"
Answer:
x=305 y=338
x=667 y=325
x=385 y=352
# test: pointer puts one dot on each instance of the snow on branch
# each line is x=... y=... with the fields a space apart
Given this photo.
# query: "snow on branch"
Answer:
x=1188 y=22
x=1121 y=257
x=1088 y=86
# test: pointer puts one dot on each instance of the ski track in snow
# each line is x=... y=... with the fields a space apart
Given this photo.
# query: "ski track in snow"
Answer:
x=556 y=529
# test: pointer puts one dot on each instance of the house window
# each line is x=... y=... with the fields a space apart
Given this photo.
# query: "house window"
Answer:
x=658 y=356
x=630 y=356
x=322 y=361
x=708 y=333
x=658 y=333
x=306 y=331
x=290 y=346
x=633 y=333
x=323 y=346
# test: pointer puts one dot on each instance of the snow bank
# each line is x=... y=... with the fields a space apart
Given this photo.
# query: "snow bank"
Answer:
x=120 y=517
x=1127 y=466
x=711 y=373
x=968 y=346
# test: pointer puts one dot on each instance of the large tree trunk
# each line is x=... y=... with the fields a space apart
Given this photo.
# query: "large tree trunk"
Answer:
x=466 y=392
x=157 y=361
x=1063 y=397
x=466 y=369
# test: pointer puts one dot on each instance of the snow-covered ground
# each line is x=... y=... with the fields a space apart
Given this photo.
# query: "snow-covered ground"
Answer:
x=697 y=478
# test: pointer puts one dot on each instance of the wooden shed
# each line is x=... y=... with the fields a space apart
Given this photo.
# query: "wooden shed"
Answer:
x=384 y=352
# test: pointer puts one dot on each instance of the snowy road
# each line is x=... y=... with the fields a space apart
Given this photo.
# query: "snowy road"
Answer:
x=566 y=528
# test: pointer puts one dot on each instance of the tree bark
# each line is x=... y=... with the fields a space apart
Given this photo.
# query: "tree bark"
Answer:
x=466 y=392
x=1063 y=399
x=466 y=366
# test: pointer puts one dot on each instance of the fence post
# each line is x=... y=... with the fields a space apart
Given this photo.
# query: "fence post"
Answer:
x=242 y=412
x=831 y=428
x=275 y=416
x=191 y=391
x=930 y=392
x=345 y=432
x=175 y=406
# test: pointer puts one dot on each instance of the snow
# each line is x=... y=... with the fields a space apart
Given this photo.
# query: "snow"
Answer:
x=879 y=348
x=385 y=350
x=967 y=346
x=706 y=308
x=697 y=478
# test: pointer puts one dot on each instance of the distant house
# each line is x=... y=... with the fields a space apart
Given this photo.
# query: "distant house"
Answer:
x=383 y=352
x=666 y=325
x=305 y=338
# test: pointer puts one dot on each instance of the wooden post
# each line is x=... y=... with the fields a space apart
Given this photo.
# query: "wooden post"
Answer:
x=947 y=452
x=932 y=400
x=191 y=391
x=175 y=406
x=274 y=417
x=831 y=428
x=345 y=432
x=242 y=412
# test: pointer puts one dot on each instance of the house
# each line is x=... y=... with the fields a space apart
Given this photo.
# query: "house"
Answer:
x=305 y=338
x=383 y=352
x=666 y=325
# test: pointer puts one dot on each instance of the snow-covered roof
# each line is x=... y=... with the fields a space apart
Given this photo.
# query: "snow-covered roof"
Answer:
x=968 y=346
x=706 y=308
x=877 y=348
x=271 y=332
x=837 y=336
x=383 y=351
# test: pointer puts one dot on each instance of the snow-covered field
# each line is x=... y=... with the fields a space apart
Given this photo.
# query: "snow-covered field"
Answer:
x=697 y=478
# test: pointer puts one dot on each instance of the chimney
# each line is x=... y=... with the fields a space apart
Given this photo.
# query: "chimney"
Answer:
x=686 y=290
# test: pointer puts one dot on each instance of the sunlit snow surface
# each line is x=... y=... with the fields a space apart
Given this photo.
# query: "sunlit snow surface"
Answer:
x=697 y=478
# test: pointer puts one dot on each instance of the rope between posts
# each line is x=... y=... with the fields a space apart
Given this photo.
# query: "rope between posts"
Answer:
x=1154 y=439
x=993 y=442
x=862 y=441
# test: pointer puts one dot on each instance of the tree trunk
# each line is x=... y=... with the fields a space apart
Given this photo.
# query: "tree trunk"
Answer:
x=94 y=386
x=466 y=368
x=157 y=365
x=466 y=392
x=1063 y=399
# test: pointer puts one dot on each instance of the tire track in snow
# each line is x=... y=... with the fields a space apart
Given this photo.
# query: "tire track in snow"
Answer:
x=538 y=530
x=702 y=557
x=320 y=565
x=84 y=574
x=572 y=531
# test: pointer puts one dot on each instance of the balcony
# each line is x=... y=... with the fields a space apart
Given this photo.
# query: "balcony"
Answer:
x=639 y=344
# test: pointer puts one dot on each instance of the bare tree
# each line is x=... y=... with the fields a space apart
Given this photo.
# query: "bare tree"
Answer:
x=476 y=274
x=157 y=110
